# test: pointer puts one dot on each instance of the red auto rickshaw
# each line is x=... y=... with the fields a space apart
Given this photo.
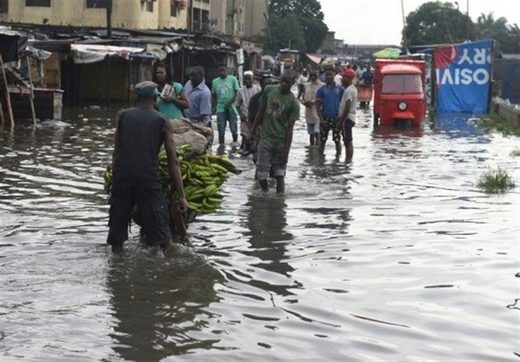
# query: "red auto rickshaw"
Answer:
x=399 y=92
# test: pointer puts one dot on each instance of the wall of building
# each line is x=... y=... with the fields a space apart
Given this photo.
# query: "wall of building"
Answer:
x=217 y=16
x=166 y=20
x=236 y=17
x=328 y=43
x=126 y=14
x=255 y=17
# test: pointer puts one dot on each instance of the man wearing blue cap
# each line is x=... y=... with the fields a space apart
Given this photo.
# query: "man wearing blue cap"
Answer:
x=140 y=133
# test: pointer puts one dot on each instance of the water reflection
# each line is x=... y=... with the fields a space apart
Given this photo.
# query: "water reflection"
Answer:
x=265 y=228
x=457 y=125
x=397 y=132
x=157 y=305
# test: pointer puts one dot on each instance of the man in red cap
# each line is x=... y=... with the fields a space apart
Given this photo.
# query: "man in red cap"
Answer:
x=347 y=111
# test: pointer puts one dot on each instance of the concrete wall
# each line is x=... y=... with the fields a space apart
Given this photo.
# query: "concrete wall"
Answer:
x=126 y=14
x=506 y=72
x=256 y=15
x=217 y=16
x=229 y=16
x=509 y=111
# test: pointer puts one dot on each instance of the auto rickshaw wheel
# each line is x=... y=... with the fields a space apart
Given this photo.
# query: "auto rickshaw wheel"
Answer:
x=376 y=119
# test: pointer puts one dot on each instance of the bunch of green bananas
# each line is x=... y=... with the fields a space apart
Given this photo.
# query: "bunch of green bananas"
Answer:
x=202 y=176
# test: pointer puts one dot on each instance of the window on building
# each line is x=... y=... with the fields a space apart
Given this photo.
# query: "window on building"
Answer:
x=174 y=8
x=39 y=3
x=148 y=5
x=97 y=4
x=205 y=20
x=4 y=6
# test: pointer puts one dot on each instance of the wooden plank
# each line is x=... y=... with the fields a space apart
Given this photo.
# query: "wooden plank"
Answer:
x=31 y=95
x=7 y=93
x=2 y=119
x=13 y=89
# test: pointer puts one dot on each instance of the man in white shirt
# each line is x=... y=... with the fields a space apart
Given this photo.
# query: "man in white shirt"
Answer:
x=338 y=78
x=244 y=95
x=347 y=111
x=311 y=107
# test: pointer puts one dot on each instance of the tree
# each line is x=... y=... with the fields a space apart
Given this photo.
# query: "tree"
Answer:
x=285 y=32
x=296 y=23
x=437 y=23
x=507 y=37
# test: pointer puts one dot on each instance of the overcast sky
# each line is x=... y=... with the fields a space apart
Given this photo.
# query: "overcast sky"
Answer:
x=381 y=22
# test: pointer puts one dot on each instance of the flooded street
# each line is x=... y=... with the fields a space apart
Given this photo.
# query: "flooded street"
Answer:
x=398 y=256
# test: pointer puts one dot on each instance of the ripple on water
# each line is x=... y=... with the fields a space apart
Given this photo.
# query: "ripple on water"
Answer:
x=353 y=260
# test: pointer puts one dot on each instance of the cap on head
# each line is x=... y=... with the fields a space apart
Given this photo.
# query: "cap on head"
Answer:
x=349 y=73
x=146 y=89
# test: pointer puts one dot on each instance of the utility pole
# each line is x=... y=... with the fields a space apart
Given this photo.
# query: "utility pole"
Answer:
x=109 y=19
x=405 y=45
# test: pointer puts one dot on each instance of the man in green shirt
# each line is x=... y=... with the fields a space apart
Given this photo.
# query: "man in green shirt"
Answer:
x=278 y=112
x=224 y=90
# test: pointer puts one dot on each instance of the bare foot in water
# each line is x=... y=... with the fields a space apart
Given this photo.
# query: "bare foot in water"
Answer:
x=167 y=249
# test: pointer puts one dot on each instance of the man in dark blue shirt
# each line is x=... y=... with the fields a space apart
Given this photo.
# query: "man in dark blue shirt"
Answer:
x=329 y=98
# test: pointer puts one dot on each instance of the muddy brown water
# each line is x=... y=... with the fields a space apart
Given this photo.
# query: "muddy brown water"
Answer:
x=398 y=256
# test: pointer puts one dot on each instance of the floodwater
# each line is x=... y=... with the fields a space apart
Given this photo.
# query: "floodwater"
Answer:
x=397 y=256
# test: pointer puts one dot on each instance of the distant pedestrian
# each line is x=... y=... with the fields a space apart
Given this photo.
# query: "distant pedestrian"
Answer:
x=329 y=98
x=224 y=89
x=172 y=99
x=347 y=112
x=278 y=112
x=338 y=77
x=199 y=98
x=311 y=107
x=242 y=101
x=140 y=133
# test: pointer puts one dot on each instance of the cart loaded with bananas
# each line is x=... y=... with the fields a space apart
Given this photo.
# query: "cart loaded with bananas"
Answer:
x=203 y=175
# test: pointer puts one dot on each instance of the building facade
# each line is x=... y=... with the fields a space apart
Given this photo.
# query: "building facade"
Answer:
x=126 y=14
x=199 y=15
x=256 y=18
x=239 y=18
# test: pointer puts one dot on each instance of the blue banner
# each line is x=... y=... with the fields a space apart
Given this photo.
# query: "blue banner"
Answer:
x=463 y=77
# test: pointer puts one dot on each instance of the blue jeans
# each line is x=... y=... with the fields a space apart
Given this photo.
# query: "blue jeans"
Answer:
x=224 y=117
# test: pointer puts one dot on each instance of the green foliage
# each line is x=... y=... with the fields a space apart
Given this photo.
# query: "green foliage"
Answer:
x=494 y=121
x=507 y=37
x=286 y=32
x=437 y=23
x=314 y=31
x=495 y=181
x=296 y=24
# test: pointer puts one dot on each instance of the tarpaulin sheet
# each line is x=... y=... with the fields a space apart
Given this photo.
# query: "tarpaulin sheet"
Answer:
x=314 y=58
x=10 y=46
x=463 y=74
x=92 y=53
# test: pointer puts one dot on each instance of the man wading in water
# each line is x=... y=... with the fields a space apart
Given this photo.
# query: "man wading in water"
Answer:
x=347 y=112
x=140 y=133
x=276 y=116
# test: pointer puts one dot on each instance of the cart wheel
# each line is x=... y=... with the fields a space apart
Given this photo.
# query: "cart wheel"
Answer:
x=376 y=119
